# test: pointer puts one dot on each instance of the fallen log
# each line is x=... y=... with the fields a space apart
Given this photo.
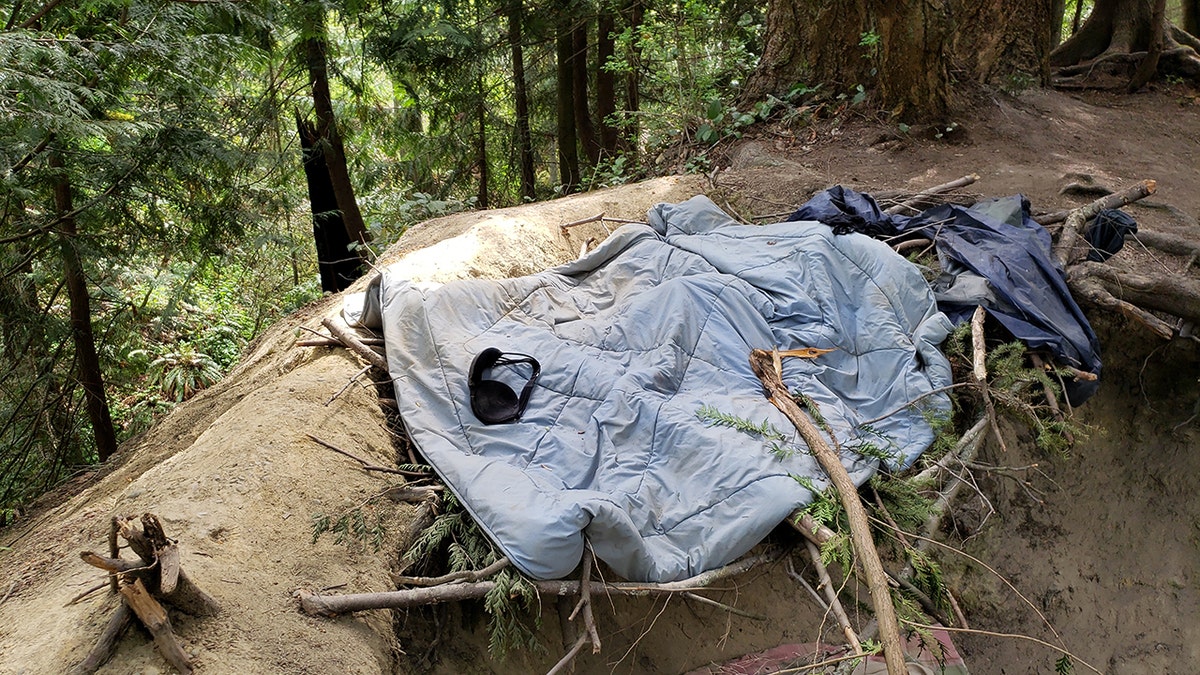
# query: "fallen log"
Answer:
x=154 y=618
x=355 y=345
x=314 y=604
x=912 y=202
x=1176 y=294
x=106 y=646
x=1075 y=225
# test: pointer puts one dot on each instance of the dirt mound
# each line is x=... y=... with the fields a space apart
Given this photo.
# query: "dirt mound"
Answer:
x=1109 y=554
x=234 y=478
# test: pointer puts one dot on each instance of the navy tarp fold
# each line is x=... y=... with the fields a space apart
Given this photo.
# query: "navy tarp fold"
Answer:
x=992 y=254
x=643 y=344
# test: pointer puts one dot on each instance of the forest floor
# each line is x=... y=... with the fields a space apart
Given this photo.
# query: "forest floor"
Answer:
x=1106 y=544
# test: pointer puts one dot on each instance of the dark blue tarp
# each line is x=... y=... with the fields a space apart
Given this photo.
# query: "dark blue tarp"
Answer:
x=994 y=241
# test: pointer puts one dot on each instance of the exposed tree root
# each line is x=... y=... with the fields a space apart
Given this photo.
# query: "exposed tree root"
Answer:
x=1106 y=44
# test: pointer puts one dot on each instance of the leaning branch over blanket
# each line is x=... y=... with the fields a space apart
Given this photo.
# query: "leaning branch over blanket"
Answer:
x=763 y=364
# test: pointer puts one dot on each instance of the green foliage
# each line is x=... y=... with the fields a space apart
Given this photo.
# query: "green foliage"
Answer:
x=763 y=429
x=180 y=374
x=512 y=605
x=361 y=525
x=927 y=576
x=810 y=406
x=776 y=440
x=1064 y=665
x=1017 y=389
x=903 y=501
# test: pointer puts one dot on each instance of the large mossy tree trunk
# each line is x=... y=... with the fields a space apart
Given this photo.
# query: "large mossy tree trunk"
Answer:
x=899 y=49
x=524 y=138
x=1005 y=43
x=1191 y=17
x=808 y=42
x=914 y=74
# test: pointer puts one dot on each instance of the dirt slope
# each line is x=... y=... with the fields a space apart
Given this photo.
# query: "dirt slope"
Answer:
x=1110 y=555
x=236 y=481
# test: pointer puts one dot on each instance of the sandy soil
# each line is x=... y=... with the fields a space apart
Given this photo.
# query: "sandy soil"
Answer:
x=1109 y=554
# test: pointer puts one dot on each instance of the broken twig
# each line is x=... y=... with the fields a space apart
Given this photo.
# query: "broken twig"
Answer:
x=355 y=345
x=1074 y=225
x=835 y=605
x=979 y=372
x=911 y=202
x=468 y=575
x=366 y=466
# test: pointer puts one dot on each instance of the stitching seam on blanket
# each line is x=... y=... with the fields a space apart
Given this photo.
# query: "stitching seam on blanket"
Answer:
x=722 y=500
x=687 y=366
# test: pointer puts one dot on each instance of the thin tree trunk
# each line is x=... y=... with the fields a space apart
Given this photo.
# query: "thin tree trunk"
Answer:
x=338 y=266
x=481 y=157
x=90 y=376
x=584 y=126
x=521 y=94
x=606 y=102
x=1058 y=9
x=1149 y=65
x=568 y=150
x=634 y=11
x=334 y=150
x=1190 y=21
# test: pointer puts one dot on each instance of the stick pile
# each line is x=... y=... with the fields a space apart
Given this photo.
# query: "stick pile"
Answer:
x=145 y=583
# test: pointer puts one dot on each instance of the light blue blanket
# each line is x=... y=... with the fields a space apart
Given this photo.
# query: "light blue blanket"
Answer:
x=644 y=343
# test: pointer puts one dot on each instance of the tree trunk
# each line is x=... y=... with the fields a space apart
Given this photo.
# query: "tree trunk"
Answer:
x=1005 y=43
x=1149 y=65
x=1120 y=33
x=811 y=42
x=1102 y=32
x=1191 y=17
x=481 y=158
x=914 y=81
x=568 y=150
x=584 y=126
x=339 y=267
x=90 y=376
x=634 y=12
x=332 y=148
x=521 y=96
x=1058 y=10
x=606 y=96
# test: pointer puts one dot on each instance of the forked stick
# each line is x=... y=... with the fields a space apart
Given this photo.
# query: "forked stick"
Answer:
x=764 y=365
